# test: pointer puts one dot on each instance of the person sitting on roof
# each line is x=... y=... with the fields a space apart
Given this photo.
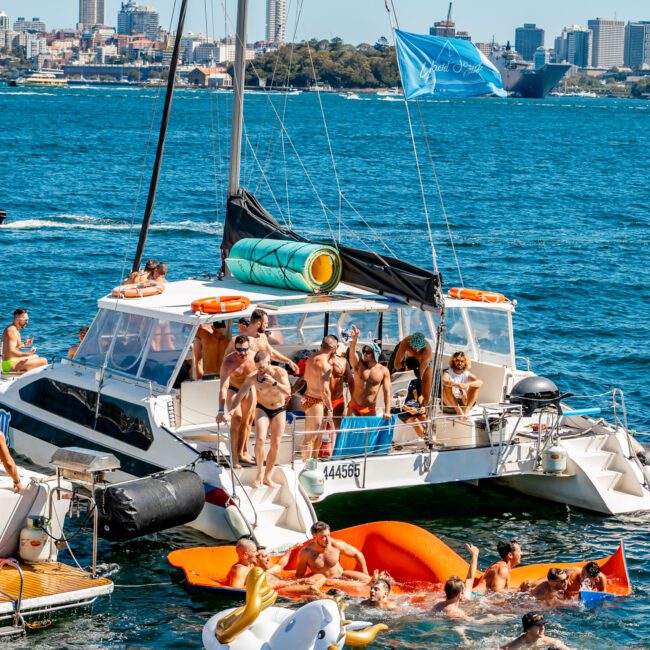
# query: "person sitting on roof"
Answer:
x=144 y=275
x=533 y=636
x=246 y=550
x=13 y=357
x=82 y=335
x=460 y=387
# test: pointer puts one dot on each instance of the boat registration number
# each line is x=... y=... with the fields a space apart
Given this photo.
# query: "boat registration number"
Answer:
x=349 y=470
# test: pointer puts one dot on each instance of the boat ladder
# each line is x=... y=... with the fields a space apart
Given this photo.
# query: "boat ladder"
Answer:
x=17 y=626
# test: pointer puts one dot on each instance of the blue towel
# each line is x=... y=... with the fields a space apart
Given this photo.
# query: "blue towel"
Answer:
x=379 y=434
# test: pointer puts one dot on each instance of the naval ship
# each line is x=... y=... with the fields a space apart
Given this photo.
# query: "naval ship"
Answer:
x=520 y=78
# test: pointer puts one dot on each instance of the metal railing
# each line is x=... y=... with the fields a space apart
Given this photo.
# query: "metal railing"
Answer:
x=18 y=621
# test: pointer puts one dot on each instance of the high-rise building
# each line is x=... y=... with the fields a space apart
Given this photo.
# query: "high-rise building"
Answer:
x=133 y=19
x=541 y=57
x=91 y=12
x=527 y=39
x=33 y=25
x=637 y=43
x=4 y=21
x=447 y=29
x=579 y=46
x=275 y=21
x=608 y=42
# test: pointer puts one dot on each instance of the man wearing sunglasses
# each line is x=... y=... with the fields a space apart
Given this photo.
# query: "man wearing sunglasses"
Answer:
x=238 y=364
x=553 y=588
x=369 y=378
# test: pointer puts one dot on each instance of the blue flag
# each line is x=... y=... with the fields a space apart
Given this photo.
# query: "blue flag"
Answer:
x=444 y=66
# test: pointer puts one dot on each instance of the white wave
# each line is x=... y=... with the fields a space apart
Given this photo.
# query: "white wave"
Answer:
x=91 y=223
x=391 y=99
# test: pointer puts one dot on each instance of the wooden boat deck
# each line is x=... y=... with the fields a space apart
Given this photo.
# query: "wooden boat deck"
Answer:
x=50 y=585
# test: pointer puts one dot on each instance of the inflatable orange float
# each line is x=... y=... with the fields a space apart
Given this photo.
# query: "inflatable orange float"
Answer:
x=417 y=560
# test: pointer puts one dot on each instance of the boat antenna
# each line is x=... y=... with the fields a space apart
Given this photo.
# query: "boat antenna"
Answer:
x=155 y=173
x=238 y=80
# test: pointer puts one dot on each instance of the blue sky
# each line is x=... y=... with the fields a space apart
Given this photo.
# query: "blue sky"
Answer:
x=364 y=20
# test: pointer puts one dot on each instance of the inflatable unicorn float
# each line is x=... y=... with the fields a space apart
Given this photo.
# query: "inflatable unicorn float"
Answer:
x=258 y=625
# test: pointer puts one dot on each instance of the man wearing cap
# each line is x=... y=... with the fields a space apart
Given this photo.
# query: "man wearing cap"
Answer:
x=533 y=636
x=414 y=353
x=369 y=378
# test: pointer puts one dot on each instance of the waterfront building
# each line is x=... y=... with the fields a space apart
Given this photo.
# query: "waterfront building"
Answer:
x=608 y=42
x=34 y=45
x=527 y=39
x=33 y=25
x=579 y=46
x=135 y=19
x=541 y=57
x=637 y=43
x=275 y=21
x=91 y=12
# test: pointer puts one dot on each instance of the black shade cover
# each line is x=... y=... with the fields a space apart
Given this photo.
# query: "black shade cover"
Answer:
x=245 y=217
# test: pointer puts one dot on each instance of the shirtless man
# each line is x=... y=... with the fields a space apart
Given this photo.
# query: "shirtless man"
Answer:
x=416 y=354
x=369 y=378
x=552 y=589
x=306 y=588
x=457 y=590
x=459 y=386
x=209 y=349
x=144 y=275
x=256 y=332
x=380 y=595
x=13 y=358
x=82 y=335
x=341 y=374
x=533 y=636
x=236 y=367
x=322 y=556
x=246 y=550
x=590 y=577
x=270 y=384
x=497 y=577
x=317 y=400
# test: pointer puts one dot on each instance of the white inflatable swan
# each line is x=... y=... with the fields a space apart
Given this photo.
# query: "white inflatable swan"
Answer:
x=257 y=625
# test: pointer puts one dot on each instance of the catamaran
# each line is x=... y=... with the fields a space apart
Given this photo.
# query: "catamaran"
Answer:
x=126 y=391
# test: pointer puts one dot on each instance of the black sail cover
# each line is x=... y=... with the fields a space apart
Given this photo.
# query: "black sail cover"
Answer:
x=245 y=217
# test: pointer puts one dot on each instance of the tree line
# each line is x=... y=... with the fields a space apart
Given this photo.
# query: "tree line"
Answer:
x=327 y=62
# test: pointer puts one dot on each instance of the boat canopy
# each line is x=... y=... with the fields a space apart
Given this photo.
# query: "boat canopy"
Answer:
x=246 y=218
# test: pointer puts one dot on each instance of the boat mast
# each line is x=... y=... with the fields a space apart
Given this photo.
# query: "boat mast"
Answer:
x=238 y=99
x=155 y=173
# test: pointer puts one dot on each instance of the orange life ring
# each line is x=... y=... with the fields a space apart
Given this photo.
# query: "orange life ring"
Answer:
x=476 y=295
x=221 y=304
x=138 y=290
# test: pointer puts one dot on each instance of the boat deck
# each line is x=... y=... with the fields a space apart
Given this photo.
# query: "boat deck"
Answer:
x=48 y=586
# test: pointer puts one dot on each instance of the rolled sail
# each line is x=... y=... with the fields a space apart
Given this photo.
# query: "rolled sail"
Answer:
x=285 y=264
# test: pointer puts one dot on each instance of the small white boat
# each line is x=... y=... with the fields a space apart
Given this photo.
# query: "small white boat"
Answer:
x=33 y=584
x=351 y=95
x=258 y=625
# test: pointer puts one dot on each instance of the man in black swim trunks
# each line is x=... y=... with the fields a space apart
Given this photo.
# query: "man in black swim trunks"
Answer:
x=271 y=386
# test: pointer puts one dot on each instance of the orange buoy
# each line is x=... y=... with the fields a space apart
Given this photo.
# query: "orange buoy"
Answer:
x=138 y=290
x=476 y=295
x=221 y=304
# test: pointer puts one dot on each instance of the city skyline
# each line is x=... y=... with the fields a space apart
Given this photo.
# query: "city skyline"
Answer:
x=365 y=21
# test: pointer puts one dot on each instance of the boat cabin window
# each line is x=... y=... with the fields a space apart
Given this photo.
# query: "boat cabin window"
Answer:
x=456 y=337
x=491 y=333
x=366 y=321
x=134 y=345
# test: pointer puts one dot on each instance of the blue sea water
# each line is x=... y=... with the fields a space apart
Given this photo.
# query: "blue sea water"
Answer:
x=546 y=200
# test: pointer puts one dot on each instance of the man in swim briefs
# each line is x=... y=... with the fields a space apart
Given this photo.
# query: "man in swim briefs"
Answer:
x=305 y=588
x=589 y=577
x=256 y=332
x=209 y=348
x=341 y=374
x=236 y=367
x=246 y=550
x=13 y=357
x=317 y=400
x=369 y=378
x=270 y=385
x=533 y=636
x=322 y=556
x=460 y=387
x=497 y=577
